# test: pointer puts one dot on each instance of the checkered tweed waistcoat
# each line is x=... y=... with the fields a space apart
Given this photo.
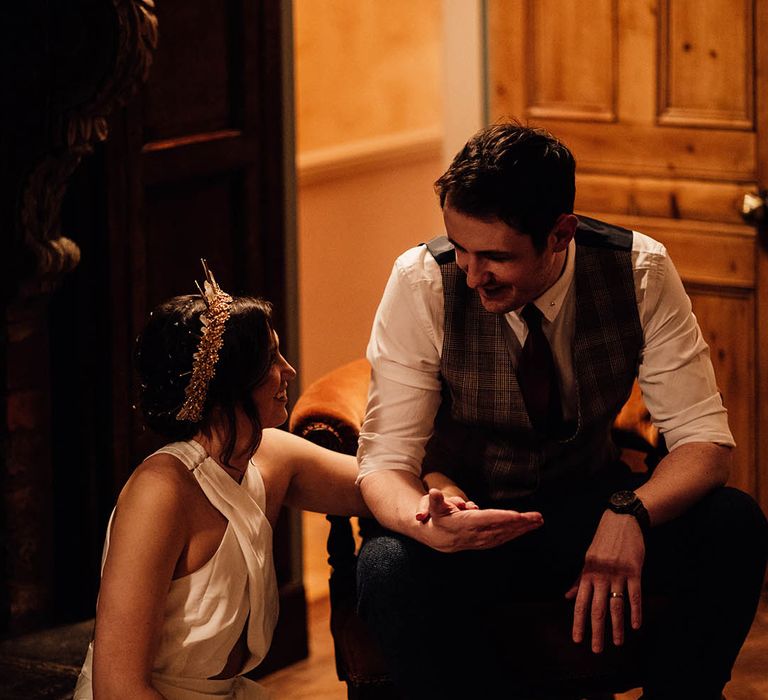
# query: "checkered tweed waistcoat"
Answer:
x=483 y=437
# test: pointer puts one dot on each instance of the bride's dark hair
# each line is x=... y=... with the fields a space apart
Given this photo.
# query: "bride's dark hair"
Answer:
x=163 y=358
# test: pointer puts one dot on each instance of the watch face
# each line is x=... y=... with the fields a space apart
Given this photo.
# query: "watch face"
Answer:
x=622 y=499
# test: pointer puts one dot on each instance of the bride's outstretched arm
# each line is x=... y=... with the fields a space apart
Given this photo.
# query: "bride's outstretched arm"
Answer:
x=306 y=476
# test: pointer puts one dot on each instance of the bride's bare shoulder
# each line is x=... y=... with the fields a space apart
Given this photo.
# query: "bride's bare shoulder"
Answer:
x=160 y=481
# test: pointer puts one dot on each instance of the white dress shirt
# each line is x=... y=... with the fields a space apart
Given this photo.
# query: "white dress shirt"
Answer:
x=675 y=375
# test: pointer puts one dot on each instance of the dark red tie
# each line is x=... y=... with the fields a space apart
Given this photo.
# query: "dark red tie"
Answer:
x=537 y=376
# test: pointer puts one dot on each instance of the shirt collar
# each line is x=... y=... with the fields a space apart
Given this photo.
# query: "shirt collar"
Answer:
x=551 y=301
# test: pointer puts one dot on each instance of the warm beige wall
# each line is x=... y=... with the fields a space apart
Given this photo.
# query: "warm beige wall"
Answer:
x=352 y=230
x=365 y=68
x=369 y=137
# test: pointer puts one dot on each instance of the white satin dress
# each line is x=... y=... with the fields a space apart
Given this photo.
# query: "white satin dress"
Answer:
x=206 y=610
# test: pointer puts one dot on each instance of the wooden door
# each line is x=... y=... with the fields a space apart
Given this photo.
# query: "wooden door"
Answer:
x=664 y=106
x=200 y=165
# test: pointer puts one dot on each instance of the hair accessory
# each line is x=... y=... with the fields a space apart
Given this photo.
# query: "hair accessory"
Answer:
x=207 y=354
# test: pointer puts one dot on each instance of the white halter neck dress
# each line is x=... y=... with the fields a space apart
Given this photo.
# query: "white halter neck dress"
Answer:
x=206 y=611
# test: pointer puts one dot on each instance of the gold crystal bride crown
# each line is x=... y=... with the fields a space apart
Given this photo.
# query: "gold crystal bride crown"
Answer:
x=213 y=320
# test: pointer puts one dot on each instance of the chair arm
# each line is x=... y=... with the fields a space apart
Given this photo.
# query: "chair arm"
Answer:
x=633 y=429
x=330 y=411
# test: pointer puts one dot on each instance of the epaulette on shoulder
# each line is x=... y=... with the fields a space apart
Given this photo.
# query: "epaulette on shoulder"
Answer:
x=598 y=234
x=441 y=249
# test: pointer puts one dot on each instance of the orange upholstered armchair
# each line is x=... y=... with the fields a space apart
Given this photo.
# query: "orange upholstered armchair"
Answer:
x=330 y=413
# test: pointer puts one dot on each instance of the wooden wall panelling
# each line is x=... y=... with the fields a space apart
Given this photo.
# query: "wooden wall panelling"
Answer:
x=69 y=65
x=127 y=293
x=82 y=394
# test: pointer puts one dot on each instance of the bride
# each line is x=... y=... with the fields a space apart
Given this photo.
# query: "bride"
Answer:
x=188 y=598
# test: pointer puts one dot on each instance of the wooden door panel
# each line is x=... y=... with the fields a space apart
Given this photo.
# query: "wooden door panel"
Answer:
x=617 y=64
x=567 y=82
x=706 y=63
x=196 y=87
x=704 y=253
x=186 y=221
x=639 y=149
x=727 y=321
x=683 y=60
x=674 y=199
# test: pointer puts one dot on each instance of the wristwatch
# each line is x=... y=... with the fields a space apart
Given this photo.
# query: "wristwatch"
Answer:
x=629 y=503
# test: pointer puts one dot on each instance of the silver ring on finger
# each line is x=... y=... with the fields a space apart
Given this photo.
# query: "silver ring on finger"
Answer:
x=617 y=594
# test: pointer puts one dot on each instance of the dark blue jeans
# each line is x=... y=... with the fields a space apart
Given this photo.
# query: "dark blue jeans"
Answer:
x=433 y=613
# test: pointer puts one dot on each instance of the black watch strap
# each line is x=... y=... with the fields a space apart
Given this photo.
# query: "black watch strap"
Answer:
x=642 y=517
x=629 y=503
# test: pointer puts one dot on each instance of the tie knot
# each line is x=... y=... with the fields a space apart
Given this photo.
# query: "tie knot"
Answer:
x=531 y=315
